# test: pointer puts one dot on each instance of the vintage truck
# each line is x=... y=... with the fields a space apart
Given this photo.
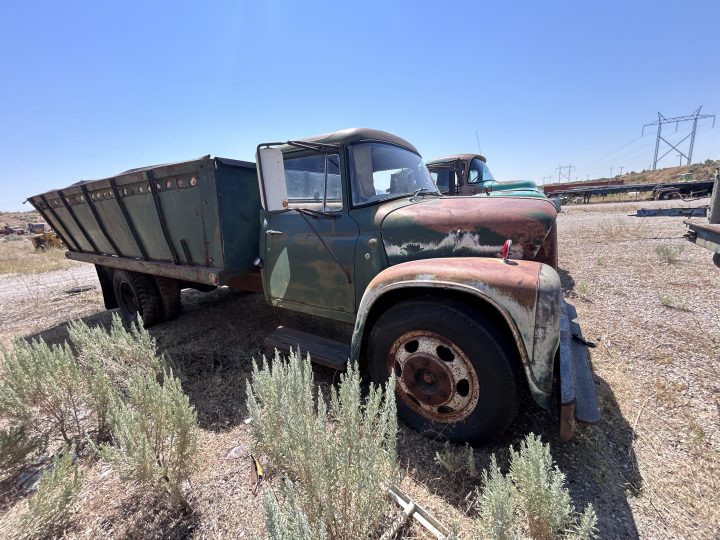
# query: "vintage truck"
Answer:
x=468 y=174
x=459 y=296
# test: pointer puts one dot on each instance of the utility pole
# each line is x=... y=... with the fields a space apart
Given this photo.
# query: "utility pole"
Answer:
x=662 y=120
x=611 y=169
x=545 y=178
x=566 y=175
x=621 y=168
x=478 y=141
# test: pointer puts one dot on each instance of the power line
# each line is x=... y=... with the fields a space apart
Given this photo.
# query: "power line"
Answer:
x=694 y=117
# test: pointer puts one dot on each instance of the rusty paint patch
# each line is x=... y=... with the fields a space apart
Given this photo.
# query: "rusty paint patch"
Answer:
x=462 y=226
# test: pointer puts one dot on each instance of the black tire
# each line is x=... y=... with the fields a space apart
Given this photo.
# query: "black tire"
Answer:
x=137 y=294
x=169 y=290
x=468 y=347
x=716 y=259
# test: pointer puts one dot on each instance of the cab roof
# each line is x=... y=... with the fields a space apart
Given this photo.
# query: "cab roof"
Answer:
x=352 y=135
x=455 y=157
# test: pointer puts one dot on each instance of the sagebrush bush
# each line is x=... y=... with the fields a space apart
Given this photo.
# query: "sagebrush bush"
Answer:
x=668 y=253
x=17 y=446
x=67 y=389
x=119 y=352
x=531 y=500
x=155 y=436
x=541 y=488
x=342 y=457
x=50 y=508
x=288 y=521
x=457 y=459
x=43 y=389
x=497 y=506
x=109 y=386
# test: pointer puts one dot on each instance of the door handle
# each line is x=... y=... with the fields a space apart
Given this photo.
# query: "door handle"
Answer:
x=271 y=231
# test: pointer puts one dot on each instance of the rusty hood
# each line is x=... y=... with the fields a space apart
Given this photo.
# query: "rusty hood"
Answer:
x=467 y=227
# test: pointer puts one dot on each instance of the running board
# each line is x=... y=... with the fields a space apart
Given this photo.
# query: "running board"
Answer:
x=578 y=399
x=323 y=351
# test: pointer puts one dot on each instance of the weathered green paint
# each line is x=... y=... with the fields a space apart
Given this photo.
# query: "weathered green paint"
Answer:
x=210 y=207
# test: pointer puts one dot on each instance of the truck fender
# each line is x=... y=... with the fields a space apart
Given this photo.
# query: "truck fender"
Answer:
x=526 y=294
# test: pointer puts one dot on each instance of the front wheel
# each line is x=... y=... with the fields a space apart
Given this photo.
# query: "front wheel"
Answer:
x=454 y=377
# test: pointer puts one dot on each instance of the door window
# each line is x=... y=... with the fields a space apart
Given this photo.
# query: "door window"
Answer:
x=314 y=182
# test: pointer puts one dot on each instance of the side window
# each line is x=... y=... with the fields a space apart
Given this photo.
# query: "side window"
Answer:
x=313 y=182
x=442 y=179
x=475 y=174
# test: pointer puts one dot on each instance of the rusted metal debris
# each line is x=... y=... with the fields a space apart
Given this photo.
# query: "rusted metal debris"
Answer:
x=412 y=509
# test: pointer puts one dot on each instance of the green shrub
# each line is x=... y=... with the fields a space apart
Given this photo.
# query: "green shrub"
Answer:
x=531 y=500
x=49 y=390
x=109 y=359
x=457 y=459
x=497 y=506
x=541 y=489
x=669 y=254
x=119 y=352
x=42 y=388
x=155 y=434
x=50 y=509
x=17 y=446
x=288 y=521
x=342 y=457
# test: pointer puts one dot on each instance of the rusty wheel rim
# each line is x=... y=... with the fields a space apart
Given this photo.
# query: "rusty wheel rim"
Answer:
x=434 y=376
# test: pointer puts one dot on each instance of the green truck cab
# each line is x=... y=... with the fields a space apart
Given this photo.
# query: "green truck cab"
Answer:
x=468 y=174
x=458 y=296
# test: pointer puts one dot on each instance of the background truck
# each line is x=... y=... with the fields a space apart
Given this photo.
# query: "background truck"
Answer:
x=459 y=297
x=707 y=235
x=468 y=174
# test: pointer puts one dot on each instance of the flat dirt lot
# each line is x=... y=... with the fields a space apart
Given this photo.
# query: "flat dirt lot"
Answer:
x=647 y=297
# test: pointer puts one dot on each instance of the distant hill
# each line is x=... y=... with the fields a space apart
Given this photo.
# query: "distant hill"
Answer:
x=19 y=219
x=699 y=171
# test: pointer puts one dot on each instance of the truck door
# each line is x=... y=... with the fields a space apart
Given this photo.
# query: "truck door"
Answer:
x=309 y=247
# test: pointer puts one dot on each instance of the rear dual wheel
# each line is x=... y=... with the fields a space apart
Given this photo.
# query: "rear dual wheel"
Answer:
x=454 y=376
x=154 y=299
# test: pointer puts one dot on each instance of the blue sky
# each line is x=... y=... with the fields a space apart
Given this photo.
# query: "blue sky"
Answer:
x=91 y=88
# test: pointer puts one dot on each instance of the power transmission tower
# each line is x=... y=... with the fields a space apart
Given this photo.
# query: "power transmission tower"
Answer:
x=694 y=117
x=562 y=174
x=545 y=178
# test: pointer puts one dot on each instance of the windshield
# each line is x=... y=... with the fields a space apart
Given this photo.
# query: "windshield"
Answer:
x=381 y=171
x=479 y=172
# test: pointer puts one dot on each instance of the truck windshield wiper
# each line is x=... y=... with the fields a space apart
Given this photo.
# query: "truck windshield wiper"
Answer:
x=423 y=191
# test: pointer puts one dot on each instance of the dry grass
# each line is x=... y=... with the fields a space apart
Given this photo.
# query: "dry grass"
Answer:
x=651 y=467
x=17 y=256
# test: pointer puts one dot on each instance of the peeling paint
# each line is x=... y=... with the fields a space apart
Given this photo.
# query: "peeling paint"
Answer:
x=511 y=288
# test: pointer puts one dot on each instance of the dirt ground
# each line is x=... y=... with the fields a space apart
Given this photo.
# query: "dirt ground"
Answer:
x=651 y=467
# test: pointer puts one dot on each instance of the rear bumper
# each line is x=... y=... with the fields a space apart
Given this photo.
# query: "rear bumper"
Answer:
x=578 y=399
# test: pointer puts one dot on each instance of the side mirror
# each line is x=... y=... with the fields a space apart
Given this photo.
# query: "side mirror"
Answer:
x=271 y=176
